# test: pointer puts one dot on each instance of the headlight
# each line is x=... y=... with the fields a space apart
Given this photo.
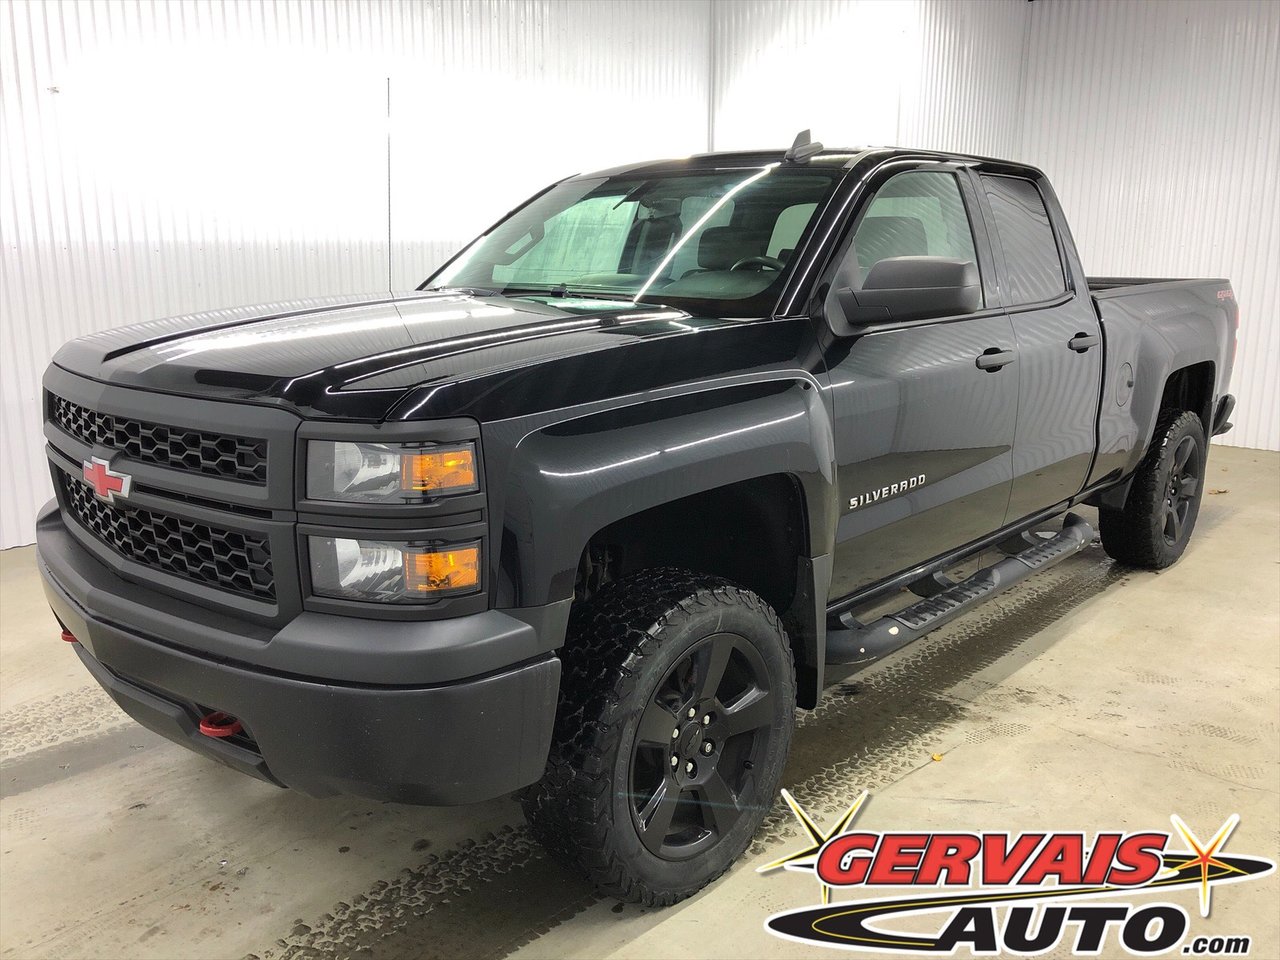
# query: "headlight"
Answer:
x=389 y=472
x=392 y=571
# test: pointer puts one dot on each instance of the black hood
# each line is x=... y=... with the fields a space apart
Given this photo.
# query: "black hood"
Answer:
x=357 y=357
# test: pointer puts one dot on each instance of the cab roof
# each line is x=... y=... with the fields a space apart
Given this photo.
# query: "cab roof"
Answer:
x=828 y=157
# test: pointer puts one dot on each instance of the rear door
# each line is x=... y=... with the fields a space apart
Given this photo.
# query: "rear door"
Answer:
x=1059 y=342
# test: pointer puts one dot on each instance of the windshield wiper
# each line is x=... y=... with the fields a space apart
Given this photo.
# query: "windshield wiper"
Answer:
x=560 y=291
x=474 y=291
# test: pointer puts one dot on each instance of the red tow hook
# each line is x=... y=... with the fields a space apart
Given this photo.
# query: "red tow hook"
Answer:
x=70 y=637
x=219 y=724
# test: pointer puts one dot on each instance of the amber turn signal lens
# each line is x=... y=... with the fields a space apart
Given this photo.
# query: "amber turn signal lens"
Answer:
x=440 y=471
x=442 y=571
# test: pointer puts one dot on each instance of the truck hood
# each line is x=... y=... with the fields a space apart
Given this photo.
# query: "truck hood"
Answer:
x=359 y=357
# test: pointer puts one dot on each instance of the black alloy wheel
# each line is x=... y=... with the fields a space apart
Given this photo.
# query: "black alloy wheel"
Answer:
x=1153 y=527
x=677 y=702
x=1184 y=487
x=704 y=732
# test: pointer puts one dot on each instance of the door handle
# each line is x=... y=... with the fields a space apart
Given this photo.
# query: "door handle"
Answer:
x=1082 y=342
x=993 y=358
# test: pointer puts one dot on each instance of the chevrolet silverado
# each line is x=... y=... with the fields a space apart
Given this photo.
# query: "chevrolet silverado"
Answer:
x=641 y=470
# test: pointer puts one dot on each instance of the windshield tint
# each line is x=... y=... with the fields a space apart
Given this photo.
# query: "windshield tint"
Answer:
x=710 y=241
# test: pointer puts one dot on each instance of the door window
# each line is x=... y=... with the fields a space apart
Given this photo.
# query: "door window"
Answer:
x=1033 y=267
x=915 y=214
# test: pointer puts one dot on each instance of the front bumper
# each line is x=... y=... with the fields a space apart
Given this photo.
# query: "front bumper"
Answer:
x=435 y=712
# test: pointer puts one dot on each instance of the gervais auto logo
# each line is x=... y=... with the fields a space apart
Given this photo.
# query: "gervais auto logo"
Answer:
x=1016 y=893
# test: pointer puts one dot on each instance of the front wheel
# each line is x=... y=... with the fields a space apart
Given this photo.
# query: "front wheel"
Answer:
x=1153 y=528
x=676 y=709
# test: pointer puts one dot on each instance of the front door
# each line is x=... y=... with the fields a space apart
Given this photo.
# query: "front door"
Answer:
x=923 y=433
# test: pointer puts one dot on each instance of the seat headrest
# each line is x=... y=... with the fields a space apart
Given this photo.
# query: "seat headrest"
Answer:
x=719 y=248
x=880 y=238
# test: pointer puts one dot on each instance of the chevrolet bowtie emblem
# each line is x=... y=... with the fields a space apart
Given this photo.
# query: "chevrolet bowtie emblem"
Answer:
x=106 y=483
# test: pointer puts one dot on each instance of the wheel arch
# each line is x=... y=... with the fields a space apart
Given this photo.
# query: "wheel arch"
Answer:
x=1190 y=387
x=666 y=480
x=752 y=532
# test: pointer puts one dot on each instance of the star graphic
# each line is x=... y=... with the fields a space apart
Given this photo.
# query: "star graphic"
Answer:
x=1204 y=854
x=807 y=858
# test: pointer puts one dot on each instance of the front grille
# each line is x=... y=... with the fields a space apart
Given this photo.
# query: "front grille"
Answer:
x=233 y=560
x=197 y=451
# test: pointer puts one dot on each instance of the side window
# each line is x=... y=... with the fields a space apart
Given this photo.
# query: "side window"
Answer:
x=1026 y=237
x=915 y=214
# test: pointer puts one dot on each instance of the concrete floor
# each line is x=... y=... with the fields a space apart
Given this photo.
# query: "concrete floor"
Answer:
x=1091 y=697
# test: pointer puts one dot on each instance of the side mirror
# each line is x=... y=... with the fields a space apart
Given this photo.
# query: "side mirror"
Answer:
x=913 y=288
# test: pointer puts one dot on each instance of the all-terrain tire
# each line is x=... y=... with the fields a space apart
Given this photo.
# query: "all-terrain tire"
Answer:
x=1159 y=514
x=625 y=652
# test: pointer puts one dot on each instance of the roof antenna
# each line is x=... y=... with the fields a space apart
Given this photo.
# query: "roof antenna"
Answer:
x=802 y=149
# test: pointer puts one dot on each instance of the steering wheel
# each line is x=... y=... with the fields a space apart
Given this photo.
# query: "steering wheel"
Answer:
x=769 y=263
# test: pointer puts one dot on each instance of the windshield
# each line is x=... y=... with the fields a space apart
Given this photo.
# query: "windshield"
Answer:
x=713 y=241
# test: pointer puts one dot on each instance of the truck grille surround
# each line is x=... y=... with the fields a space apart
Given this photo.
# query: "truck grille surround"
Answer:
x=208 y=515
x=179 y=448
x=233 y=560
x=213 y=512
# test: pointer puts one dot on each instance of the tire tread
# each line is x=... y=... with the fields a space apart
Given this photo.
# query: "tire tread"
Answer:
x=1134 y=535
x=609 y=639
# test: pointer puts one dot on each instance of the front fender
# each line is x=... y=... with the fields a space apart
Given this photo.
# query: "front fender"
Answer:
x=567 y=480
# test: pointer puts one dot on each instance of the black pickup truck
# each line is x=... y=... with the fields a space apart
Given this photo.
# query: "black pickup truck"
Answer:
x=595 y=508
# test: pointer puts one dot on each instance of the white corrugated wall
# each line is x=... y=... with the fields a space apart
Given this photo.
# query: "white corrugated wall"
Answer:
x=1159 y=125
x=921 y=73
x=159 y=158
x=496 y=102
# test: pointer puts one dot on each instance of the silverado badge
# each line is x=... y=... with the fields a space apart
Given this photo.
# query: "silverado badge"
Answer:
x=885 y=492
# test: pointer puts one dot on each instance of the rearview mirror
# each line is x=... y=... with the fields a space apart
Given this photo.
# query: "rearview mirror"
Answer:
x=913 y=288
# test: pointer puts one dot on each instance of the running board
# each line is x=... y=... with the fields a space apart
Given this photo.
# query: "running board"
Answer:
x=851 y=642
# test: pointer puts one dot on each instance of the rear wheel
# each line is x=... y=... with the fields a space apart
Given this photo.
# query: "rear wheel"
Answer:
x=1159 y=514
x=675 y=717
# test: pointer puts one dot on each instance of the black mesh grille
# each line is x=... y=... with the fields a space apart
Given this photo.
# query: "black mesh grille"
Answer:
x=215 y=454
x=231 y=560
